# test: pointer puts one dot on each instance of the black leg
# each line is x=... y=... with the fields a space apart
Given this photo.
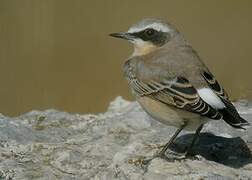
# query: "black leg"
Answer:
x=162 y=152
x=166 y=146
x=196 y=135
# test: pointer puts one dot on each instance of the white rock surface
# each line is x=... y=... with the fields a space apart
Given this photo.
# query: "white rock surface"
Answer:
x=58 y=145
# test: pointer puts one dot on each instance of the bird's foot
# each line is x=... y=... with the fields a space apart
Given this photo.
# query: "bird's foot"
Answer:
x=173 y=156
x=169 y=156
x=141 y=161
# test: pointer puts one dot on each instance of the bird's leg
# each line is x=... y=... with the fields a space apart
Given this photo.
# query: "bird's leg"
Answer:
x=195 y=137
x=162 y=152
x=165 y=147
x=186 y=152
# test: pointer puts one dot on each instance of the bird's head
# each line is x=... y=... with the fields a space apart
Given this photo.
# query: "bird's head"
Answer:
x=148 y=35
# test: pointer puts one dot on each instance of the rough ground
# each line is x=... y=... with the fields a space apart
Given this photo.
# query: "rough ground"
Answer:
x=57 y=145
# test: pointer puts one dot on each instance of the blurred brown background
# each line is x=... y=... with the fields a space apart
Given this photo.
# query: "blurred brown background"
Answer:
x=57 y=53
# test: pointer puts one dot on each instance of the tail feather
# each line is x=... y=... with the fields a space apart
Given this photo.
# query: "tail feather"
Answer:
x=234 y=121
x=232 y=117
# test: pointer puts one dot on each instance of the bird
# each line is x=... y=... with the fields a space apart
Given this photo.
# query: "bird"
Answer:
x=171 y=82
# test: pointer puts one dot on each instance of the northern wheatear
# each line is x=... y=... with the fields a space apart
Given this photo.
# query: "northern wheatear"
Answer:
x=170 y=81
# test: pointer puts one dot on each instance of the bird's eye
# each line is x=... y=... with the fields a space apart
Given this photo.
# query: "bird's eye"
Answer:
x=150 y=32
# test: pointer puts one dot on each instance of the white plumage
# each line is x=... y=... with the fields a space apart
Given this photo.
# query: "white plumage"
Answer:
x=156 y=26
x=211 y=98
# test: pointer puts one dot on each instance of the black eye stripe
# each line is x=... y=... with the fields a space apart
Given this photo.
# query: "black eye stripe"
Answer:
x=156 y=37
x=146 y=34
x=150 y=32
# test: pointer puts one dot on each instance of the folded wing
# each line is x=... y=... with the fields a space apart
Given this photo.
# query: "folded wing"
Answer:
x=229 y=112
x=177 y=92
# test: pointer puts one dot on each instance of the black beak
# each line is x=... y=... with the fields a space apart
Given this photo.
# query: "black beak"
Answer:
x=126 y=36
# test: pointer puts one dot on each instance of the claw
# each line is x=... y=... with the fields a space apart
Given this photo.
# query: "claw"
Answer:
x=141 y=161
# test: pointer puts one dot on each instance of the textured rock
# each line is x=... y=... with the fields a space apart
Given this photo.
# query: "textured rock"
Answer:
x=58 y=145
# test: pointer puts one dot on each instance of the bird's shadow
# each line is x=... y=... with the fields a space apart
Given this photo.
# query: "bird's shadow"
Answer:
x=233 y=152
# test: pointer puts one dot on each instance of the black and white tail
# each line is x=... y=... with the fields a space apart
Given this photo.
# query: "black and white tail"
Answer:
x=224 y=107
x=232 y=117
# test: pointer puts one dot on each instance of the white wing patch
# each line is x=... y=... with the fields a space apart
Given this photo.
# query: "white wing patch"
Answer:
x=211 y=98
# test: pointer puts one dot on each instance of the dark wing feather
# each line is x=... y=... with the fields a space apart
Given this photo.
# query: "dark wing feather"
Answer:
x=230 y=114
x=177 y=92
x=214 y=85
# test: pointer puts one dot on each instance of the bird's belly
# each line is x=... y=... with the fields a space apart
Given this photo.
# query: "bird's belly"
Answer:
x=169 y=115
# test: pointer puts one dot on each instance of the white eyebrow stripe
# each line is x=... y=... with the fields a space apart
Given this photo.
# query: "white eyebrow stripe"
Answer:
x=156 y=26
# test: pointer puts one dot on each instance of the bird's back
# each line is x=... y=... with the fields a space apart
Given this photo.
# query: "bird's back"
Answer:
x=171 y=61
